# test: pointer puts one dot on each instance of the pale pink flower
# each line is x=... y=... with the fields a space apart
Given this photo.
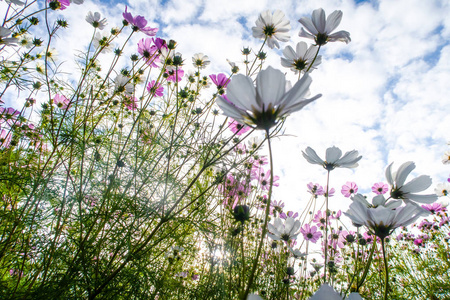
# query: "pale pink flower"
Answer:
x=238 y=128
x=139 y=23
x=61 y=101
x=349 y=189
x=264 y=180
x=310 y=233
x=220 y=80
x=155 y=89
x=380 y=188
x=315 y=189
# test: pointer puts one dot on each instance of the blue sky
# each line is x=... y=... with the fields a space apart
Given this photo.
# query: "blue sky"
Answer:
x=385 y=94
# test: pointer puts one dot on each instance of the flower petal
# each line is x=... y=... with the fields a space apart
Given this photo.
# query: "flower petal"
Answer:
x=270 y=87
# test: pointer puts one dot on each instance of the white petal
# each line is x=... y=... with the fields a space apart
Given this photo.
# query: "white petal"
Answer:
x=270 y=87
x=318 y=19
x=326 y=292
x=388 y=174
x=333 y=154
x=241 y=92
x=333 y=21
x=308 y=25
x=423 y=198
x=341 y=36
x=403 y=172
x=418 y=184
x=311 y=156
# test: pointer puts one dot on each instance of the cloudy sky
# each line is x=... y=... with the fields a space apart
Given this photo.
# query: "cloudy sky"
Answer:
x=385 y=94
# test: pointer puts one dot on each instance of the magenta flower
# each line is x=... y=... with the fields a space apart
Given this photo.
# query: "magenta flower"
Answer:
x=5 y=139
x=131 y=102
x=310 y=233
x=61 y=101
x=380 y=188
x=336 y=239
x=220 y=80
x=276 y=206
x=434 y=207
x=58 y=4
x=139 y=23
x=320 y=218
x=175 y=75
x=315 y=189
x=418 y=242
x=289 y=214
x=155 y=89
x=335 y=216
x=9 y=115
x=238 y=128
x=349 y=189
x=330 y=192
x=264 y=180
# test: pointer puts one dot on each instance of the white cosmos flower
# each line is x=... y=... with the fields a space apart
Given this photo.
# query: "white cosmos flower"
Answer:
x=4 y=39
x=122 y=84
x=301 y=58
x=333 y=158
x=101 y=41
x=381 y=220
x=200 y=60
x=285 y=231
x=94 y=20
x=262 y=106
x=446 y=158
x=326 y=292
x=319 y=29
x=272 y=27
x=407 y=191
x=442 y=189
x=378 y=200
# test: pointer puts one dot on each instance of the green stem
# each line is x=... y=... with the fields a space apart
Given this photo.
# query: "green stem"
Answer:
x=326 y=228
x=366 y=270
x=386 y=269
x=244 y=295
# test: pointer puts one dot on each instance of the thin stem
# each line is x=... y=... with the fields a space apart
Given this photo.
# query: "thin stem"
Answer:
x=326 y=228
x=366 y=270
x=314 y=59
x=386 y=269
x=264 y=229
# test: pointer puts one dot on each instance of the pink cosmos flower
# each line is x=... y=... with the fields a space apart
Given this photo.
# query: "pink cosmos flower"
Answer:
x=336 y=239
x=418 y=242
x=349 y=189
x=175 y=75
x=380 y=188
x=5 y=139
x=310 y=233
x=220 y=80
x=315 y=189
x=335 y=216
x=276 y=207
x=139 y=23
x=61 y=101
x=320 y=218
x=330 y=192
x=9 y=115
x=238 y=128
x=289 y=214
x=434 y=207
x=59 y=4
x=155 y=89
x=264 y=180
x=131 y=103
